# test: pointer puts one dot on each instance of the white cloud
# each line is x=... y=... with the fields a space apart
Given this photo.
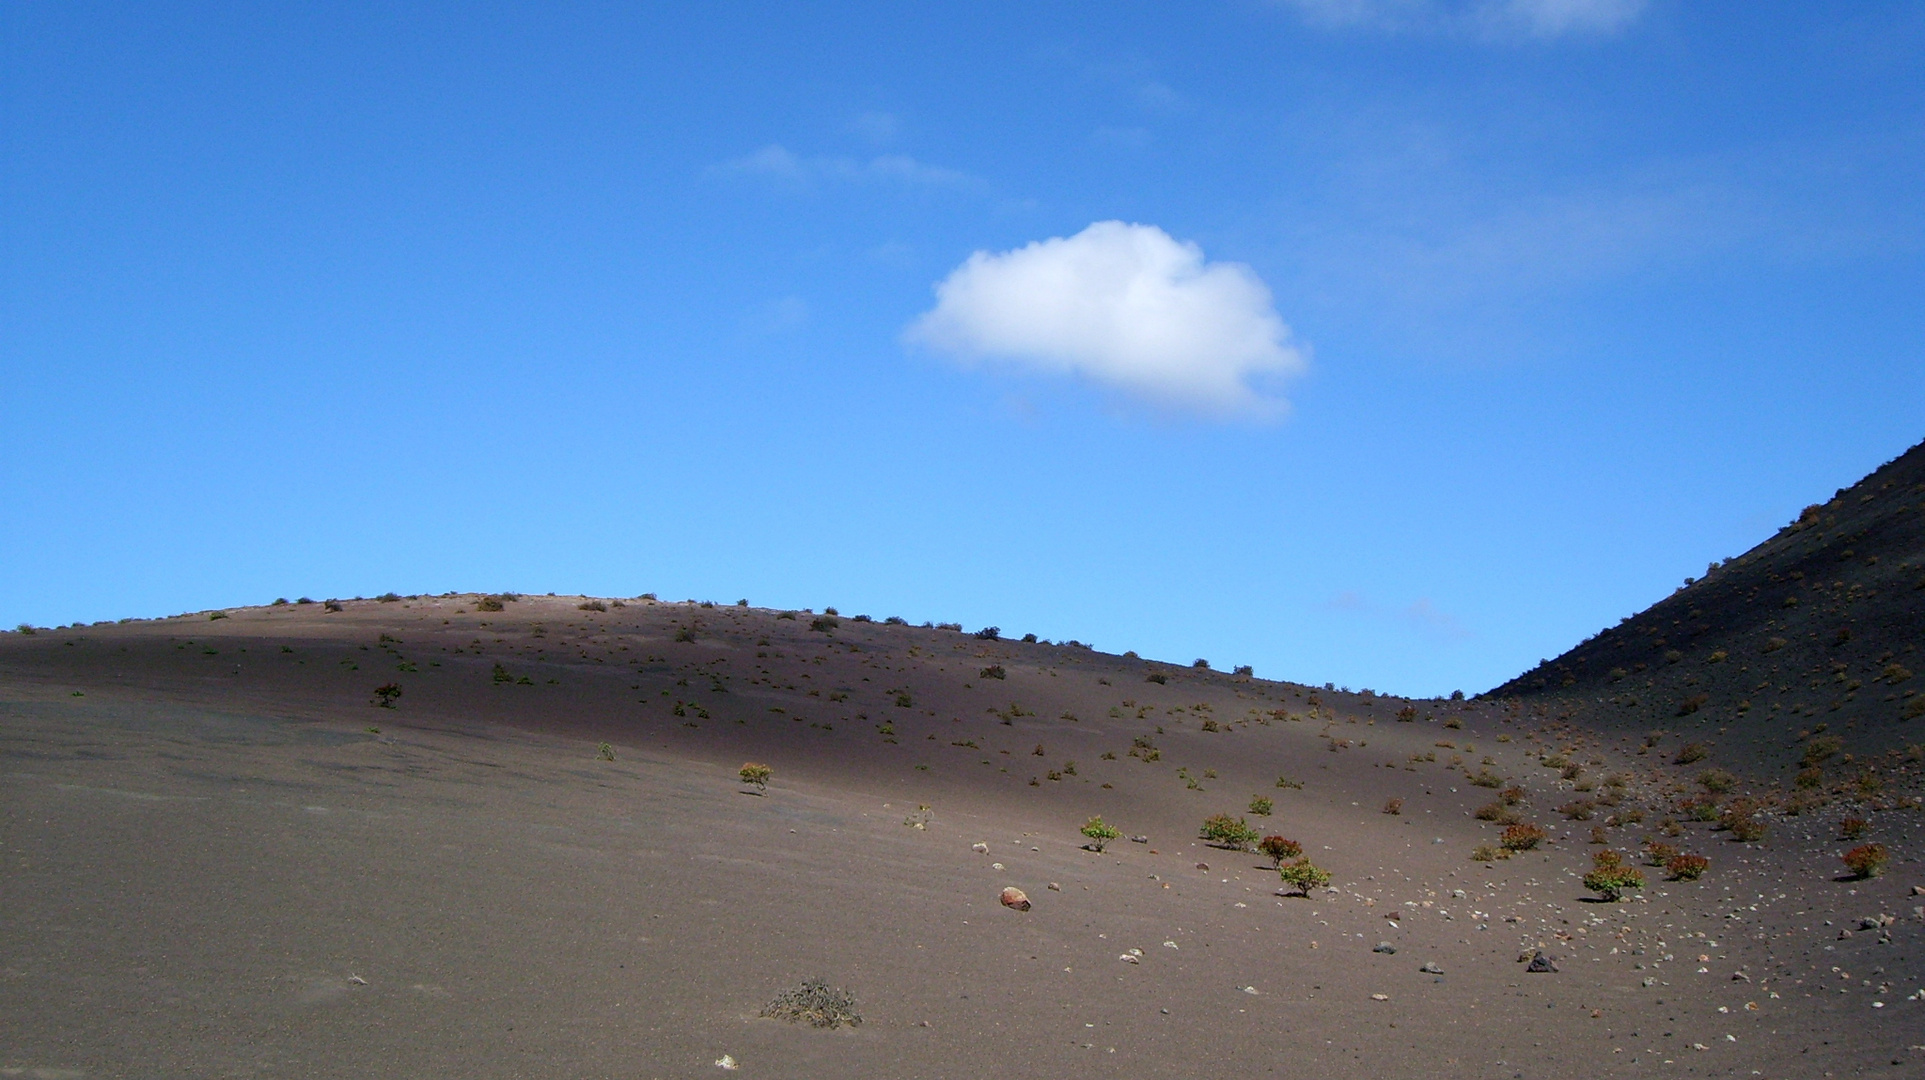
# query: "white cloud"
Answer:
x=1125 y=306
x=1503 y=18
x=1549 y=18
x=777 y=161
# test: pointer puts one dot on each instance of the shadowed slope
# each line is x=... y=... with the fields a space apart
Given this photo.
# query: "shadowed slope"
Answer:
x=1816 y=629
x=225 y=857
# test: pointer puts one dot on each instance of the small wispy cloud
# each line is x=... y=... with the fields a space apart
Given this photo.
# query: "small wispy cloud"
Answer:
x=1422 y=616
x=1483 y=18
x=878 y=127
x=1129 y=138
x=1126 y=306
x=778 y=162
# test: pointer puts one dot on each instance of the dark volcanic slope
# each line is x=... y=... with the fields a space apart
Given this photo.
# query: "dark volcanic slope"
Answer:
x=222 y=857
x=1816 y=629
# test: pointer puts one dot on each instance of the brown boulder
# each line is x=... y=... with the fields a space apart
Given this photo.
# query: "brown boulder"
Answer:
x=1014 y=898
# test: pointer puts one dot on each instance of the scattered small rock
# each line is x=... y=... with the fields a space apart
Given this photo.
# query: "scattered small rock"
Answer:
x=1432 y=968
x=1139 y=839
x=1385 y=947
x=1128 y=959
x=1202 y=866
x=1541 y=962
x=1015 y=898
x=1380 y=997
x=1739 y=976
x=1394 y=916
x=1252 y=991
x=1169 y=945
x=726 y=1062
x=1053 y=887
x=979 y=848
x=997 y=866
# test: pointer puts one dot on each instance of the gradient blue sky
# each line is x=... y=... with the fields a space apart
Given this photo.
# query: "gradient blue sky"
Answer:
x=614 y=298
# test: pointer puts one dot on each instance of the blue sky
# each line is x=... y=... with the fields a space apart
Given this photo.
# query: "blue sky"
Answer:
x=1431 y=337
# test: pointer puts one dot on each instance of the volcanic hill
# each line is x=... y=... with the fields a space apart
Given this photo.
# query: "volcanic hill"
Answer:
x=1815 y=631
x=493 y=835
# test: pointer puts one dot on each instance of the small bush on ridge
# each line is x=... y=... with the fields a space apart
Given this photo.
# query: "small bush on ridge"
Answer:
x=1099 y=833
x=1279 y=849
x=1224 y=830
x=1866 y=860
x=1686 y=867
x=1521 y=837
x=757 y=774
x=1304 y=875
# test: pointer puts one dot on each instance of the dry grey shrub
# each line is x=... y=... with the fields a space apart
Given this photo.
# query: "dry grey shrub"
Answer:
x=817 y=1002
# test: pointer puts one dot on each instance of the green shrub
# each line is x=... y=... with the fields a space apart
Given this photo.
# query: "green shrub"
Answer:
x=1487 y=778
x=1854 y=828
x=605 y=751
x=1821 y=749
x=1657 y=852
x=1226 y=831
x=1304 y=876
x=1261 y=805
x=591 y=605
x=1099 y=833
x=757 y=774
x=1156 y=677
x=1690 y=753
x=386 y=693
x=1611 y=878
x=1705 y=809
x=1686 y=867
x=1742 y=826
x=1497 y=812
x=824 y=623
x=994 y=671
x=1521 y=837
x=990 y=633
x=1717 y=781
x=1866 y=860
